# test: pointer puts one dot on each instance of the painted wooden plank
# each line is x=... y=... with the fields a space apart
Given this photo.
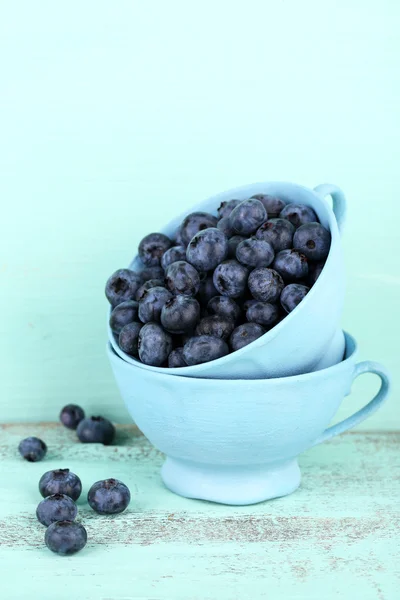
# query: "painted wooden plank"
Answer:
x=336 y=537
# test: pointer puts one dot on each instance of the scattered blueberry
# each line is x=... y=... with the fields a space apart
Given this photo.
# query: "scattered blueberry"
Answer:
x=152 y=302
x=272 y=204
x=292 y=295
x=247 y=217
x=265 y=285
x=124 y=313
x=245 y=334
x=203 y=348
x=180 y=314
x=215 y=325
x=175 y=359
x=278 y=232
x=314 y=271
x=225 y=307
x=147 y=285
x=207 y=290
x=226 y=207
x=65 y=537
x=152 y=247
x=230 y=278
x=263 y=313
x=96 y=430
x=298 y=214
x=313 y=240
x=60 y=481
x=172 y=255
x=57 y=507
x=194 y=223
x=182 y=278
x=207 y=249
x=155 y=345
x=255 y=253
x=71 y=415
x=32 y=449
x=122 y=285
x=292 y=265
x=109 y=497
x=233 y=243
x=129 y=338
x=156 y=272
x=224 y=225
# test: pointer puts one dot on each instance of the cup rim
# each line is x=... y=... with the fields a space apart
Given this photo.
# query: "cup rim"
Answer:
x=274 y=331
x=351 y=350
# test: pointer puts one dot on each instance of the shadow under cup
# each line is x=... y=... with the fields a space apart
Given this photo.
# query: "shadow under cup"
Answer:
x=237 y=441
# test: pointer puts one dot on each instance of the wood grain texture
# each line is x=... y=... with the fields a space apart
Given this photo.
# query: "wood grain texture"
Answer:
x=336 y=537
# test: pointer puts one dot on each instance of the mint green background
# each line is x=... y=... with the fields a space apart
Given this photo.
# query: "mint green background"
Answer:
x=114 y=116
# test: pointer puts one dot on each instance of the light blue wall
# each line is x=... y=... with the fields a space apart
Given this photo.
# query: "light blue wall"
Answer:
x=114 y=116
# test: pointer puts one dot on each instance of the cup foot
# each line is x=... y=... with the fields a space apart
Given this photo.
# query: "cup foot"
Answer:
x=236 y=485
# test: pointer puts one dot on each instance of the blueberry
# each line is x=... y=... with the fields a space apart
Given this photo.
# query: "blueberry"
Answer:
x=109 y=497
x=152 y=302
x=203 y=348
x=32 y=449
x=292 y=295
x=65 y=537
x=207 y=249
x=57 y=507
x=155 y=345
x=272 y=204
x=129 y=338
x=147 y=285
x=248 y=303
x=298 y=214
x=255 y=253
x=247 y=217
x=182 y=278
x=226 y=207
x=245 y=334
x=175 y=359
x=177 y=238
x=156 y=272
x=233 y=243
x=194 y=223
x=224 y=225
x=124 y=313
x=60 y=481
x=278 y=232
x=207 y=290
x=215 y=325
x=230 y=278
x=152 y=247
x=71 y=415
x=224 y=307
x=172 y=255
x=313 y=240
x=314 y=271
x=122 y=285
x=263 y=313
x=180 y=314
x=292 y=265
x=265 y=285
x=96 y=430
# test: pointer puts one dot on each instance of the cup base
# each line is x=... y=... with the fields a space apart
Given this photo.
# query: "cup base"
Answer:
x=235 y=485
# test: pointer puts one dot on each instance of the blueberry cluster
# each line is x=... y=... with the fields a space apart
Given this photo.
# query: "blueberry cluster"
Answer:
x=220 y=284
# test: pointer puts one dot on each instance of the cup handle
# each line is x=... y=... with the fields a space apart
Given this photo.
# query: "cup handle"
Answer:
x=339 y=204
x=372 y=406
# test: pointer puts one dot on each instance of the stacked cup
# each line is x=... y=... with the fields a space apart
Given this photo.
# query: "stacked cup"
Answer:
x=232 y=428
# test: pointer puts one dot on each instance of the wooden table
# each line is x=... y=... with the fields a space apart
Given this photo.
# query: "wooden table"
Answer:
x=337 y=537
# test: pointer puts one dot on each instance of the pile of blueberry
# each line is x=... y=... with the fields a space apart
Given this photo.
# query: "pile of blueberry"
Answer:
x=61 y=488
x=220 y=284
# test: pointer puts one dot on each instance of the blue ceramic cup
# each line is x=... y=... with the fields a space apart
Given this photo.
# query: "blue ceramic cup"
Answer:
x=282 y=351
x=237 y=441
